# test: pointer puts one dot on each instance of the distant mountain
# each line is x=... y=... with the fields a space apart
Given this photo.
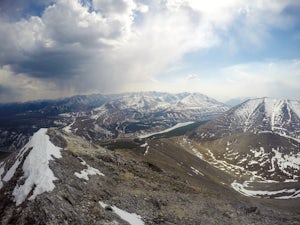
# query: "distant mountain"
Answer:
x=258 y=142
x=258 y=115
x=136 y=113
x=18 y=121
x=53 y=107
x=154 y=101
x=104 y=116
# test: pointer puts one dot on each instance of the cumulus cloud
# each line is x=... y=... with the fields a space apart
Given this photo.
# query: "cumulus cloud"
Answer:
x=114 y=7
x=120 y=45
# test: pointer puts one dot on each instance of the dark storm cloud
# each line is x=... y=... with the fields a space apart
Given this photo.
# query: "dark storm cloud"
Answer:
x=61 y=43
x=52 y=64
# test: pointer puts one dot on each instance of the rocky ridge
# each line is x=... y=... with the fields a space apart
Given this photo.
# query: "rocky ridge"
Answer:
x=154 y=187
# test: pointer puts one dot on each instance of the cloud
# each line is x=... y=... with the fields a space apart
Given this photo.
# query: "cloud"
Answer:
x=20 y=87
x=192 y=77
x=121 y=45
x=114 y=7
x=280 y=79
x=58 y=44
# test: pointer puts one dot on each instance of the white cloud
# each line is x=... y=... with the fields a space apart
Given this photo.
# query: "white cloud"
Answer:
x=143 y=8
x=114 y=7
x=280 y=79
x=275 y=79
x=192 y=77
x=121 y=45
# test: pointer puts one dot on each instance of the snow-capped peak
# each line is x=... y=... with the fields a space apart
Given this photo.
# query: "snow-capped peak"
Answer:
x=197 y=100
x=270 y=107
x=269 y=114
x=154 y=101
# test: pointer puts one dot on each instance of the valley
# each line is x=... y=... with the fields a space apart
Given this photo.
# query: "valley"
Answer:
x=137 y=112
x=184 y=160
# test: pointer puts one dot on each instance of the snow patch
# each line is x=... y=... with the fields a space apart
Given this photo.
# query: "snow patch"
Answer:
x=147 y=150
x=38 y=176
x=84 y=174
x=131 y=218
x=144 y=145
x=69 y=127
x=2 y=165
x=11 y=171
x=197 y=171
x=280 y=194
x=66 y=115
x=285 y=162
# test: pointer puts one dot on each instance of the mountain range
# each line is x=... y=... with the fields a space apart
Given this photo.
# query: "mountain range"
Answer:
x=150 y=158
x=104 y=116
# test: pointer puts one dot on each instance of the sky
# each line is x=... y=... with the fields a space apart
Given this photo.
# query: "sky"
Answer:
x=224 y=49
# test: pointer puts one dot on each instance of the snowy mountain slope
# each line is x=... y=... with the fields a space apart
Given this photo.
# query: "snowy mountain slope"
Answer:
x=258 y=115
x=33 y=161
x=280 y=116
x=197 y=100
x=196 y=103
x=156 y=101
x=257 y=142
x=144 y=112
x=103 y=116
x=263 y=165
x=143 y=101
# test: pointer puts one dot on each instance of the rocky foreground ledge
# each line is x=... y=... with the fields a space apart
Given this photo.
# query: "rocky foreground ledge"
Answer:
x=93 y=185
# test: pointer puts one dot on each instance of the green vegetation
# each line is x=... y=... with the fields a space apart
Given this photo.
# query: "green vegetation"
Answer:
x=133 y=127
x=134 y=143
